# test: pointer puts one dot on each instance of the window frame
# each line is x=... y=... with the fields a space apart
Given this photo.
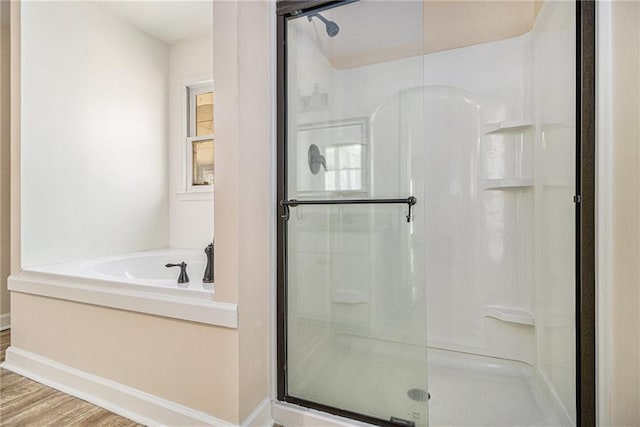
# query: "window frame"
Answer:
x=192 y=90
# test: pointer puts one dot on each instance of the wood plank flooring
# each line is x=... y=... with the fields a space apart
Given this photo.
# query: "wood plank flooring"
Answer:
x=27 y=403
x=5 y=341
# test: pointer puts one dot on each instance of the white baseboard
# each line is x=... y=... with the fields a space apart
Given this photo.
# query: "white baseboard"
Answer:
x=5 y=321
x=260 y=416
x=131 y=403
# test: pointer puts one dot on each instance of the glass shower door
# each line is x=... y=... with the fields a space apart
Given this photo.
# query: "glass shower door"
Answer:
x=353 y=226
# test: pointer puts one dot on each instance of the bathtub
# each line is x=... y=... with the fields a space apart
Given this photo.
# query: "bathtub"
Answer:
x=139 y=271
x=137 y=282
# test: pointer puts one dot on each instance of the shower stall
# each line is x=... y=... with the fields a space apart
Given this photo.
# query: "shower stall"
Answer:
x=427 y=211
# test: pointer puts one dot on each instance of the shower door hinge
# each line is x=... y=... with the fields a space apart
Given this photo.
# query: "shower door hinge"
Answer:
x=577 y=199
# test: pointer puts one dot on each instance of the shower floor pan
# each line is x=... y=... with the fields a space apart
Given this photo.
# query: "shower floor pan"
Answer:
x=374 y=377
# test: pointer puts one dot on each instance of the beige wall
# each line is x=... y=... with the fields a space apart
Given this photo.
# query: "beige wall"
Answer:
x=189 y=363
x=4 y=157
x=227 y=197
x=243 y=205
x=454 y=24
x=625 y=290
x=257 y=210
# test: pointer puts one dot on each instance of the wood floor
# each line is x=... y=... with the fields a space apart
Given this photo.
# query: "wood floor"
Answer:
x=27 y=403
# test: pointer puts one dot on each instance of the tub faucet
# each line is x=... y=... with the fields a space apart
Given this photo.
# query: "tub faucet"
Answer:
x=208 y=272
x=183 y=277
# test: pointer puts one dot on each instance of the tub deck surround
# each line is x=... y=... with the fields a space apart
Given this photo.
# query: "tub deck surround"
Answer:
x=137 y=282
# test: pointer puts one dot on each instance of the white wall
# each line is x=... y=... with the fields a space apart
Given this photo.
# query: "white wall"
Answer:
x=4 y=162
x=94 y=134
x=190 y=216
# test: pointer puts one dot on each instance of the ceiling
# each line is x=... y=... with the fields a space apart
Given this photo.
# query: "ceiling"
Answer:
x=378 y=31
x=168 y=21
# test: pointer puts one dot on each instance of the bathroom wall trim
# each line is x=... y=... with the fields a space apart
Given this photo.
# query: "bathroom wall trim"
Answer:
x=5 y=321
x=90 y=292
x=131 y=403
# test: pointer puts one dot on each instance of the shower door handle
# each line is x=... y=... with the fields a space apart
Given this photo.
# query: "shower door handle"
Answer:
x=286 y=204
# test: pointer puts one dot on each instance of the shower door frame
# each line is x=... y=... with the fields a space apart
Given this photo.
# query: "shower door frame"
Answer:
x=585 y=295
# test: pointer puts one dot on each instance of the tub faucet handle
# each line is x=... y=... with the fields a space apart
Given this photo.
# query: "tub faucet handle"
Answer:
x=208 y=271
x=183 y=277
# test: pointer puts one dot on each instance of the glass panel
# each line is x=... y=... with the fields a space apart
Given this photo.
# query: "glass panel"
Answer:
x=356 y=305
x=204 y=114
x=203 y=162
x=356 y=318
x=482 y=280
x=554 y=72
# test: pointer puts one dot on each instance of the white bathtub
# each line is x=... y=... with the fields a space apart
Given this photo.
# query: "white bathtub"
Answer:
x=137 y=282
x=140 y=271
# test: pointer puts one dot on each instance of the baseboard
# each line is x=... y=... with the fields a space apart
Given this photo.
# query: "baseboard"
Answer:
x=131 y=403
x=5 y=321
x=260 y=416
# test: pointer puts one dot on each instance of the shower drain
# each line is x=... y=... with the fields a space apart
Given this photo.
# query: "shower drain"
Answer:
x=418 y=394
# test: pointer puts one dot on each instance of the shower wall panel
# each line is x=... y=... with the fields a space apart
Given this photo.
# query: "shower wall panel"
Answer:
x=478 y=250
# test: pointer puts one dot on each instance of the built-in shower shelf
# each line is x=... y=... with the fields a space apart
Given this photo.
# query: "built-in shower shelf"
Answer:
x=519 y=125
x=350 y=297
x=509 y=314
x=505 y=184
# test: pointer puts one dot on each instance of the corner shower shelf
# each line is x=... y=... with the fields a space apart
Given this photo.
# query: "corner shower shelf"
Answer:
x=509 y=314
x=519 y=125
x=505 y=184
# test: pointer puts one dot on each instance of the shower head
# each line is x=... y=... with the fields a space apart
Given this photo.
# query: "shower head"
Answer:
x=331 y=27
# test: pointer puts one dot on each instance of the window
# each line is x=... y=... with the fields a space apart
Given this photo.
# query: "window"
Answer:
x=200 y=140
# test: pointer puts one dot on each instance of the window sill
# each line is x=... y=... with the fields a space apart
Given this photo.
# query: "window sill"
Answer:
x=195 y=196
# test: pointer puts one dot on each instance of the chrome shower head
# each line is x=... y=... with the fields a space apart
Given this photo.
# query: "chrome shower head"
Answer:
x=331 y=27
